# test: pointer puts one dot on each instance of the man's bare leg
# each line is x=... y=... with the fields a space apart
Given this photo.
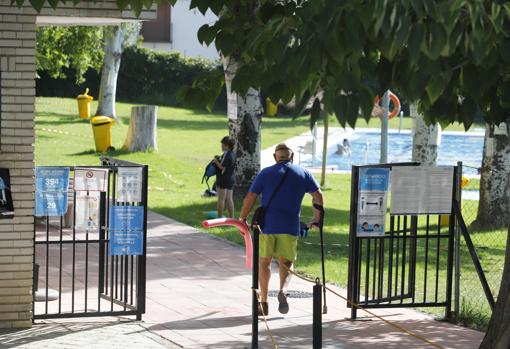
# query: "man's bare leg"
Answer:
x=284 y=265
x=264 y=276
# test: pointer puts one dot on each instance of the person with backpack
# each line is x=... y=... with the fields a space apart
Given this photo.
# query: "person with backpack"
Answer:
x=225 y=176
x=282 y=188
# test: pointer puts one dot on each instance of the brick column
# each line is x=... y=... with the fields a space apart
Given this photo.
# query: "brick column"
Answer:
x=17 y=66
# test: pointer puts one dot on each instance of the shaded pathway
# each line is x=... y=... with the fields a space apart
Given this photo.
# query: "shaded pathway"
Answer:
x=198 y=295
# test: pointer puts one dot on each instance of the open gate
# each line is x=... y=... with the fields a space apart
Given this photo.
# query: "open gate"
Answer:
x=410 y=265
x=75 y=273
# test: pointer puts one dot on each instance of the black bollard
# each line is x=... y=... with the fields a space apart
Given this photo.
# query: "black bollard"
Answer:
x=317 y=315
x=255 y=286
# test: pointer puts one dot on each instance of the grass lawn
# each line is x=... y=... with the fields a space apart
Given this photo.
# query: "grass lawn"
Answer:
x=187 y=141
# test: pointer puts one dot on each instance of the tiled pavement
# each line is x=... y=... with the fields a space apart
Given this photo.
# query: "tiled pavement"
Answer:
x=90 y=334
x=198 y=296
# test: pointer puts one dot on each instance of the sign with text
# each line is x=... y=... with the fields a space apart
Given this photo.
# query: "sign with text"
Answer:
x=89 y=179
x=87 y=211
x=372 y=201
x=126 y=230
x=129 y=184
x=421 y=190
x=51 y=185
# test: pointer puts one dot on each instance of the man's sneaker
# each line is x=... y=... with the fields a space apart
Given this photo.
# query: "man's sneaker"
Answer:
x=263 y=306
x=283 y=307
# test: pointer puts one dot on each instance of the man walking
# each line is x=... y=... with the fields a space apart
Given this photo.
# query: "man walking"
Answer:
x=282 y=188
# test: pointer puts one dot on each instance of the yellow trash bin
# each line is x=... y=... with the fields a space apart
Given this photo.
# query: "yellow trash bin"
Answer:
x=84 y=104
x=101 y=126
x=445 y=219
x=271 y=108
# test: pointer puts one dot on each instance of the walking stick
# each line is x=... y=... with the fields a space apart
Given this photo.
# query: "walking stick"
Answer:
x=321 y=224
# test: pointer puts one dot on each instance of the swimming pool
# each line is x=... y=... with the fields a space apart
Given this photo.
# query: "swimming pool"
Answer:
x=365 y=148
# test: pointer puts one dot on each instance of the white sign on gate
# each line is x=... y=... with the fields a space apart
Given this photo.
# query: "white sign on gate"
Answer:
x=90 y=179
x=87 y=211
x=421 y=190
x=129 y=184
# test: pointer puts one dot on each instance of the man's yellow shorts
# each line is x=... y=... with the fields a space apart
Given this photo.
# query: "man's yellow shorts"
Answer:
x=278 y=245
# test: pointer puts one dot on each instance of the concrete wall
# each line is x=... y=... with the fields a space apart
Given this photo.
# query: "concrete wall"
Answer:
x=17 y=67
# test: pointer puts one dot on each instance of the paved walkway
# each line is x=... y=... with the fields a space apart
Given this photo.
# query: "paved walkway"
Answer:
x=198 y=296
x=106 y=333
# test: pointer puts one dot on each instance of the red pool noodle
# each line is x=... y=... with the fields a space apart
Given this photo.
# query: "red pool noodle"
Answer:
x=243 y=229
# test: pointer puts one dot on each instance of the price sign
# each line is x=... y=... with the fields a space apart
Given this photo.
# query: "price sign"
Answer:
x=51 y=185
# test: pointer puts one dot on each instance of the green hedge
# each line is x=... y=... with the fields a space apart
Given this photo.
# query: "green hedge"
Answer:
x=145 y=76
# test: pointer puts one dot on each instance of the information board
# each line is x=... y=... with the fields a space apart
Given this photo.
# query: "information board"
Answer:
x=88 y=179
x=421 y=190
x=87 y=211
x=51 y=185
x=126 y=230
x=372 y=201
x=129 y=184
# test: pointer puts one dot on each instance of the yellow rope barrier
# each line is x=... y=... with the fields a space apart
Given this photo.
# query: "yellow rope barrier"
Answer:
x=265 y=321
x=388 y=322
x=353 y=304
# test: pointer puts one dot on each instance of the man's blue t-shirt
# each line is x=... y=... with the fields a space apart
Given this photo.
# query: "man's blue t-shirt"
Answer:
x=282 y=216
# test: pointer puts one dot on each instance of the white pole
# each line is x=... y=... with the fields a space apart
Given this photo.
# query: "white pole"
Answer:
x=384 y=128
x=400 y=117
x=314 y=144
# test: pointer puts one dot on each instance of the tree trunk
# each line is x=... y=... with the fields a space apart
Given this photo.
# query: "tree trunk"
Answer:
x=244 y=121
x=426 y=139
x=113 y=37
x=142 y=132
x=494 y=193
x=498 y=333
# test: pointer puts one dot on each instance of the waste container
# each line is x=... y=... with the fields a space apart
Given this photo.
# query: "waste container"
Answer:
x=84 y=104
x=271 y=108
x=445 y=219
x=101 y=126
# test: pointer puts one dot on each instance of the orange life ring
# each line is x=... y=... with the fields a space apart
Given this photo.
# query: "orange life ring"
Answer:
x=396 y=104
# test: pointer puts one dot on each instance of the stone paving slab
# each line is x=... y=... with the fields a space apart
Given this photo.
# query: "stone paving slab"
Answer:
x=85 y=334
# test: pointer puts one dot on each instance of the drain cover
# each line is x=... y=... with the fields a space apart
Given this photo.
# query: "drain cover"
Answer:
x=291 y=294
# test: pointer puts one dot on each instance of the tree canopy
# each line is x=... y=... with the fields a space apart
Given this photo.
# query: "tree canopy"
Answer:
x=452 y=56
x=60 y=49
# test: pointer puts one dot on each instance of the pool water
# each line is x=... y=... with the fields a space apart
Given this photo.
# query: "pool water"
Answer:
x=365 y=149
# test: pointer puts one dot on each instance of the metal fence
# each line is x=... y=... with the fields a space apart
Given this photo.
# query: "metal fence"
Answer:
x=75 y=275
x=490 y=245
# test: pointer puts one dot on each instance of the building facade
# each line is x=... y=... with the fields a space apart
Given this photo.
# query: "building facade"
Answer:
x=17 y=138
x=176 y=28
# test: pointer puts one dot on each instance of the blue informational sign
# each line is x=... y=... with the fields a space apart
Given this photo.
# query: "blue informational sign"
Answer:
x=51 y=185
x=372 y=201
x=373 y=179
x=126 y=230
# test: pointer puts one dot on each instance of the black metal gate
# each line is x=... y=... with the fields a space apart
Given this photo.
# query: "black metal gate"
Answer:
x=410 y=266
x=74 y=275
